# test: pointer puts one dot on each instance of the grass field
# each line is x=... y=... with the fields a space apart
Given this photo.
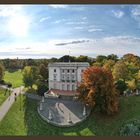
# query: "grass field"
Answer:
x=28 y=122
x=3 y=95
x=14 y=77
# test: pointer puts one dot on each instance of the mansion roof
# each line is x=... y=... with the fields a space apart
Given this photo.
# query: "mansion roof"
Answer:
x=69 y=64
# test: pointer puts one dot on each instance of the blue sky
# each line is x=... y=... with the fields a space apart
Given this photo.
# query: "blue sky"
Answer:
x=44 y=31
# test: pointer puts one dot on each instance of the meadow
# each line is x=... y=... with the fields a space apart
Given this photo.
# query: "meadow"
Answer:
x=27 y=122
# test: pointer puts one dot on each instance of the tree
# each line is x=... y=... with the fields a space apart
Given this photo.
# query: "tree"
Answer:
x=132 y=84
x=97 y=89
x=120 y=71
x=41 y=88
x=112 y=57
x=109 y=64
x=30 y=62
x=28 y=76
x=43 y=71
x=121 y=86
x=35 y=73
x=1 y=71
x=138 y=75
x=101 y=58
x=66 y=58
x=97 y=64
x=129 y=58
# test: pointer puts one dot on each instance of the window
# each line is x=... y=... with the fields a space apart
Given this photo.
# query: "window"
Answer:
x=68 y=78
x=63 y=77
x=54 y=76
x=72 y=77
x=63 y=71
x=73 y=87
x=54 y=70
x=68 y=87
x=68 y=71
x=73 y=71
x=63 y=87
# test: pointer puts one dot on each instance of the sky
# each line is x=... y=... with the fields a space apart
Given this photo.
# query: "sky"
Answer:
x=45 y=31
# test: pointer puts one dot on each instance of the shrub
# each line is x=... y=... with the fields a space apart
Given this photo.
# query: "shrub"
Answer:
x=121 y=86
x=42 y=88
x=131 y=128
x=2 y=82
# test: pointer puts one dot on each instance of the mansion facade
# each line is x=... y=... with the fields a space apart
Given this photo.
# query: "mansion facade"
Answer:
x=65 y=75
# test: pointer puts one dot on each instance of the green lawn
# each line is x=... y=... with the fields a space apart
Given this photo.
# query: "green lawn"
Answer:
x=28 y=122
x=3 y=95
x=14 y=77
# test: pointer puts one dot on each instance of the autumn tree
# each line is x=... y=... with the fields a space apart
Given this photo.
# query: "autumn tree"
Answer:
x=132 y=84
x=120 y=71
x=97 y=89
x=109 y=64
x=130 y=58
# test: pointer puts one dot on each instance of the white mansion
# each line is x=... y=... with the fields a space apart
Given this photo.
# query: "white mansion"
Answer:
x=65 y=76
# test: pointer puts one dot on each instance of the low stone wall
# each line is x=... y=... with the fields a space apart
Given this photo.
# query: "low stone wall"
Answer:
x=60 y=124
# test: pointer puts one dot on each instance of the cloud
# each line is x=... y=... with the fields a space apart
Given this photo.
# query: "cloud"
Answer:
x=95 y=30
x=135 y=13
x=73 y=42
x=44 y=18
x=122 y=40
x=25 y=48
x=118 y=45
x=76 y=23
x=57 y=21
x=12 y=10
x=118 y=13
x=58 y=6
x=91 y=28
x=84 y=18
x=79 y=28
x=136 y=10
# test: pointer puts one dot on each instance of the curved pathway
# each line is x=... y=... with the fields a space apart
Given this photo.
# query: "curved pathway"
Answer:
x=9 y=101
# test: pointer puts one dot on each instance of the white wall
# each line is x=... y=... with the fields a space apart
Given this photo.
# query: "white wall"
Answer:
x=58 y=82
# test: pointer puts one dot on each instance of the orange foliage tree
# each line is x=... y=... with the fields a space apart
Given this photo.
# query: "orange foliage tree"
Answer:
x=97 y=89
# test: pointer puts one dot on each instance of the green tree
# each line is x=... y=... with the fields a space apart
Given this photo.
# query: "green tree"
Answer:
x=66 y=58
x=112 y=57
x=121 y=86
x=101 y=58
x=97 y=90
x=28 y=76
x=35 y=73
x=43 y=71
x=41 y=88
x=1 y=71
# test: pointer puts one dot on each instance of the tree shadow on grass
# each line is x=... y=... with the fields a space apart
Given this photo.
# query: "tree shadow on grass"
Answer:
x=36 y=126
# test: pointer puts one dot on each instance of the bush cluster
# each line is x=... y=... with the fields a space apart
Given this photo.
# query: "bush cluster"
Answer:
x=131 y=128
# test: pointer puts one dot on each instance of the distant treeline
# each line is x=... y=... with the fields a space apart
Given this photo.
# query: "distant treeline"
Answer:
x=14 y=64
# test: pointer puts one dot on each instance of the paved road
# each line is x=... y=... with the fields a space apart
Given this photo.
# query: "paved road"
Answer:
x=9 y=101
